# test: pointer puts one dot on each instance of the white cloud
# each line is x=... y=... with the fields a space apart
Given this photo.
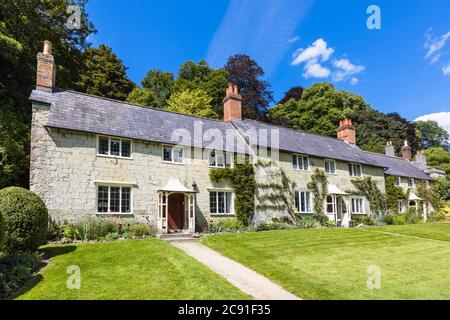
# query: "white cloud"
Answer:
x=294 y=39
x=434 y=45
x=345 y=69
x=354 y=81
x=446 y=69
x=313 y=69
x=442 y=118
x=319 y=49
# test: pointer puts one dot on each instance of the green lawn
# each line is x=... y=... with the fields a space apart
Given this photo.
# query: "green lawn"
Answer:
x=141 y=269
x=436 y=231
x=333 y=263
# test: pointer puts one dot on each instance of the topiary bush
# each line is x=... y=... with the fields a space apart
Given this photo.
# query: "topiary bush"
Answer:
x=25 y=218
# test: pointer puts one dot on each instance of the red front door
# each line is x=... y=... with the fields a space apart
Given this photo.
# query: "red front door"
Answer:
x=176 y=211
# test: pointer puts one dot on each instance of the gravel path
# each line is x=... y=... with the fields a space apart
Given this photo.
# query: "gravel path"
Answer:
x=247 y=280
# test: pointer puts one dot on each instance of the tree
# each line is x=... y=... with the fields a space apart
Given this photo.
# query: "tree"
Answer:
x=293 y=93
x=256 y=94
x=439 y=158
x=194 y=102
x=143 y=97
x=432 y=135
x=160 y=84
x=103 y=74
x=194 y=76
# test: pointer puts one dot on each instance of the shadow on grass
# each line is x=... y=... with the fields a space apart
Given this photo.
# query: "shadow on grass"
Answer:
x=47 y=254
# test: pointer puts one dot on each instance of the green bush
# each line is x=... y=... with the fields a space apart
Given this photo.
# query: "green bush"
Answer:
x=142 y=230
x=306 y=222
x=91 y=228
x=2 y=230
x=15 y=270
x=226 y=225
x=389 y=219
x=412 y=216
x=26 y=220
x=399 y=219
x=363 y=219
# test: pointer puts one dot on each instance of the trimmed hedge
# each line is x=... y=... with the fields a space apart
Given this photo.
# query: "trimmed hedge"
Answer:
x=25 y=218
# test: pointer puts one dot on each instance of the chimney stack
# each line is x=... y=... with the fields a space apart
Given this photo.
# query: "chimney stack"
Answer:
x=421 y=158
x=389 y=149
x=232 y=104
x=46 y=69
x=406 y=151
x=346 y=131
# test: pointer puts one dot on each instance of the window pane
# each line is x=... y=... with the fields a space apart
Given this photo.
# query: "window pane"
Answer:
x=126 y=148
x=332 y=167
x=229 y=201
x=305 y=163
x=297 y=201
x=220 y=202
x=167 y=154
x=114 y=201
x=212 y=159
x=295 y=162
x=358 y=170
x=350 y=169
x=327 y=167
x=126 y=200
x=228 y=160
x=102 y=199
x=308 y=202
x=178 y=155
x=220 y=160
x=103 y=146
x=213 y=202
x=115 y=147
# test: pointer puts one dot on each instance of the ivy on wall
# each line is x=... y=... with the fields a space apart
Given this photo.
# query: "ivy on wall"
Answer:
x=242 y=177
x=394 y=194
x=319 y=187
x=368 y=188
x=430 y=194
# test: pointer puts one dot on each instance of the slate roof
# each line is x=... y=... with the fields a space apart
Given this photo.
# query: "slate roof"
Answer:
x=87 y=113
x=82 y=112
x=304 y=143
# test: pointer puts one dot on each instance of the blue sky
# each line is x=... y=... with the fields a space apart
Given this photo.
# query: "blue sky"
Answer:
x=403 y=67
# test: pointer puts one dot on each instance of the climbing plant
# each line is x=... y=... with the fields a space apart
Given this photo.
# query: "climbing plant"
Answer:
x=242 y=176
x=277 y=195
x=430 y=194
x=393 y=195
x=368 y=188
x=319 y=187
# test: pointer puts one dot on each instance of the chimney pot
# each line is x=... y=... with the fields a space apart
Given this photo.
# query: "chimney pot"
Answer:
x=232 y=104
x=46 y=69
x=390 y=149
x=346 y=131
x=47 y=47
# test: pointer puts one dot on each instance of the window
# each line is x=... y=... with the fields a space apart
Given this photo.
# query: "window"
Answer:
x=173 y=154
x=331 y=205
x=397 y=181
x=330 y=166
x=402 y=206
x=220 y=202
x=113 y=199
x=303 y=201
x=410 y=182
x=114 y=147
x=357 y=205
x=300 y=162
x=355 y=170
x=219 y=159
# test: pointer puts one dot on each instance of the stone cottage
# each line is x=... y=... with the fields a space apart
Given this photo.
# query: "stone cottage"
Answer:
x=92 y=156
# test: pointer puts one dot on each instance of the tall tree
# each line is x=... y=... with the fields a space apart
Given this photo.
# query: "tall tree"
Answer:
x=293 y=93
x=439 y=158
x=194 y=102
x=160 y=83
x=103 y=74
x=192 y=76
x=143 y=97
x=432 y=135
x=248 y=76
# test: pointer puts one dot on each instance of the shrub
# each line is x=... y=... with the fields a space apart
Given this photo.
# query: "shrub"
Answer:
x=411 y=216
x=91 y=228
x=226 y=225
x=2 y=230
x=389 y=219
x=15 y=270
x=399 y=219
x=363 y=219
x=308 y=223
x=142 y=230
x=26 y=220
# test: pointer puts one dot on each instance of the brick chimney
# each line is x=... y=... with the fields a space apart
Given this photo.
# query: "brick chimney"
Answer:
x=406 y=151
x=46 y=69
x=232 y=104
x=389 y=149
x=346 y=131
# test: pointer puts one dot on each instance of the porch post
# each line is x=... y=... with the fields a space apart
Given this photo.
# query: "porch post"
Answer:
x=425 y=211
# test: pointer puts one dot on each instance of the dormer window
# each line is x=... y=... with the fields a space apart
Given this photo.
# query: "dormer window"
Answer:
x=300 y=163
x=114 y=147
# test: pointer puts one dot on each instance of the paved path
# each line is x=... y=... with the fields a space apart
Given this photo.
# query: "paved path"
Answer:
x=247 y=280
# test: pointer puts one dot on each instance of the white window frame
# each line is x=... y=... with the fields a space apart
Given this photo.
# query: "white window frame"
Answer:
x=231 y=213
x=325 y=166
x=298 y=168
x=411 y=183
x=362 y=207
x=352 y=170
x=397 y=181
x=109 y=155
x=300 y=199
x=225 y=156
x=116 y=185
x=402 y=206
x=172 y=154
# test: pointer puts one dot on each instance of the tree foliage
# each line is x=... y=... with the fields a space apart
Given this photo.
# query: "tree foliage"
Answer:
x=295 y=93
x=439 y=158
x=143 y=97
x=194 y=102
x=368 y=188
x=432 y=135
x=160 y=84
x=319 y=187
x=103 y=74
x=256 y=94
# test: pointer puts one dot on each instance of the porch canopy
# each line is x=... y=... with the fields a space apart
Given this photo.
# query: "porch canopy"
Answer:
x=414 y=197
x=175 y=185
x=334 y=190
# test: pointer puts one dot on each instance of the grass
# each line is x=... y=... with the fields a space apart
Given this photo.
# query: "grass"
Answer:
x=141 y=269
x=333 y=263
